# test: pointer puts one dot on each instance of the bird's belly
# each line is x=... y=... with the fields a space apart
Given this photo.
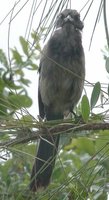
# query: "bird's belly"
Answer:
x=61 y=90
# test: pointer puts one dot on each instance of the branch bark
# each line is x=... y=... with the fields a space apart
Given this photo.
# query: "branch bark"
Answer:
x=57 y=129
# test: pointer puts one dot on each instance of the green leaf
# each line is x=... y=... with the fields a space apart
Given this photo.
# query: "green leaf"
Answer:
x=2 y=85
x=19 y=72
x=26 y=119
x=3 y=58
x=10 y=83
x=30 y=65
x=3 y=105
x=81 y=145
x=24 y=45
x=16 y=56
x=25 y=81
x=95 y=94
x=85 y=108
x=35 y=36
x=18 y=101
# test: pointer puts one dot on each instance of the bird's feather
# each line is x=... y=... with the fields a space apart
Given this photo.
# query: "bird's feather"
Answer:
x=61 y=81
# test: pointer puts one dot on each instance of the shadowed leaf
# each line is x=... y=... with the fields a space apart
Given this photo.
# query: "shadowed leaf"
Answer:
x=85 y=108
x=95 y=94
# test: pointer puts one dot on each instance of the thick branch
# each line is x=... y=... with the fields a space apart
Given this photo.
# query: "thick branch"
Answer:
x=58 y=129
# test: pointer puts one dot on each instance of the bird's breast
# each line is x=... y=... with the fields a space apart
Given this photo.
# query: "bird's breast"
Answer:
x=62 y=72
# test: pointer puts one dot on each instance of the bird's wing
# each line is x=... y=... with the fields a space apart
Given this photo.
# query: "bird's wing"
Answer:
x=41 y=105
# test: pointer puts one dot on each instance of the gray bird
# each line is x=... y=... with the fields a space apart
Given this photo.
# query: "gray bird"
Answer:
x=61 y=81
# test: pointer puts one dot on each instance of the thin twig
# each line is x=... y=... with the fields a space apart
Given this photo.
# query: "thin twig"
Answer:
x=9 y=13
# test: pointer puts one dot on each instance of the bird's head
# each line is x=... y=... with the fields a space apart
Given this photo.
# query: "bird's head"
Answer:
x=71 y=17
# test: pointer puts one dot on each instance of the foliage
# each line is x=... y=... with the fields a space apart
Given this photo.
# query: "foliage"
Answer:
x=13 y=91
x=106 y=58
x=81 y=170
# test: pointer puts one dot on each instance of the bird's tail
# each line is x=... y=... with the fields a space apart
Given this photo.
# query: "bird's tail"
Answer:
x=44 y=162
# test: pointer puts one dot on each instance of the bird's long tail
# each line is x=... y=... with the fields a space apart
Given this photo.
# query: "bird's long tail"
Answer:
x=44 y=162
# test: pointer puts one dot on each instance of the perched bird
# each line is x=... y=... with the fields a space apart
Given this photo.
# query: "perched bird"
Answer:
x=61 y=81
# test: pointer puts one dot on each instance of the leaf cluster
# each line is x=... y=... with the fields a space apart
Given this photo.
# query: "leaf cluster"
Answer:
x=13 y=83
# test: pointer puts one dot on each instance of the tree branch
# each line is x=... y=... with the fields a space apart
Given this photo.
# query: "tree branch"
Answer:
x=28 y=136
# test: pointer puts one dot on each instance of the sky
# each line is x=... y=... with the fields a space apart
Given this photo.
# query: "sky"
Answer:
x=95 y=65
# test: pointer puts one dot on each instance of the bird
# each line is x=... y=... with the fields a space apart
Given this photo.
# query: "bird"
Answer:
x=61 y=82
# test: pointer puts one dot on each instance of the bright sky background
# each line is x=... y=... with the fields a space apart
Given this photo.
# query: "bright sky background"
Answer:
x=95 y=65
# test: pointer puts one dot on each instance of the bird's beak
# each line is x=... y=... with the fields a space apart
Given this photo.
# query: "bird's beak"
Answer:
x=68 y=18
